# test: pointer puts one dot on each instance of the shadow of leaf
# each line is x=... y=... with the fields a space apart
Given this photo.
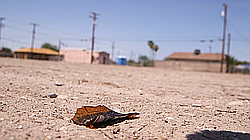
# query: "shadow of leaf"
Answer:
x=107 y=123
x=218 y=135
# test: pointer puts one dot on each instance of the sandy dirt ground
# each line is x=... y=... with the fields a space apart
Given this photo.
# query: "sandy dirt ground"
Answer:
x=172 y=104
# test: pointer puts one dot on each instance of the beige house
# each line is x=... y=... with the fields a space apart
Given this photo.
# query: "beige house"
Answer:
x=38 y=53
x=193 y=61
x=84 y=56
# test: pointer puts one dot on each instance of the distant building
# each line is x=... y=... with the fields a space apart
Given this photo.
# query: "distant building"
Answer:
x=38 y=53
x=84 y=56
x=193 y=61
x=5 y=53
x=242 y=68
x=196 y=56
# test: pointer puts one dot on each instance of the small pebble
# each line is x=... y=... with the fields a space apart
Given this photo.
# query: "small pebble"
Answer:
x=58 y=84
x=196 y=105
x=53 y=96
x=20 y=127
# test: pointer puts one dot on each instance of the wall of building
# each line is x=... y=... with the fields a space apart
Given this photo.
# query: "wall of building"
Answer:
x=190 y=65
x=82 y=56
x=38 y=56
x=74 y=56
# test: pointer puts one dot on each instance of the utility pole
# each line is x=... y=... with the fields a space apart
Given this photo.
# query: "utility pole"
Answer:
x=59 y=47
x=113 y=47
x=228 y=51
x=93 y=34
x=61 y=44
x=131 y=55
x=1 y=26
x=33 y=38
x=224 y=35
x=210 y=49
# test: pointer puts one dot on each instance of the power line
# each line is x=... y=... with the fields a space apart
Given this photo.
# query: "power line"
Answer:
x=72 y=33
x=15 y=41
x=17 y=28
x=44 y=34
x=42 y=27
x=159 y=40
x=244 y=38
x=16 y=21
x=240 y=40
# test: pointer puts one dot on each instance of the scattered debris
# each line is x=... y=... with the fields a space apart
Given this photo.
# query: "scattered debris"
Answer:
x=158 y=112
x=28 y=134
x=23 y=97
x=243 y=99
x=111 y=84
x=53 y=96
x=58 y=84
x=169 y=118
x=196 y=105
x=89 y=115
x=231 y=111
x=184 y=105
x=107 y=135
x=142 y=127
x=115 y=131
x=20 y=127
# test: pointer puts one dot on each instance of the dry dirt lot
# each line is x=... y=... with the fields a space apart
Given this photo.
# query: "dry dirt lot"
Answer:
x=172 y=104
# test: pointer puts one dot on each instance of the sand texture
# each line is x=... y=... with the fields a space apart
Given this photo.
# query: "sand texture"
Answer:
x=172 y=104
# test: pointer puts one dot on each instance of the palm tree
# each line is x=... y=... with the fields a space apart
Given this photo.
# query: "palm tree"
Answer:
x=154 y=49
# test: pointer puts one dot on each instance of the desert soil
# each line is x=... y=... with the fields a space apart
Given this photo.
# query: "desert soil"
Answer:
x=172 y=104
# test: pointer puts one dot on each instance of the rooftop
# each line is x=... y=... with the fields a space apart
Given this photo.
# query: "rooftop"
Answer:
x=38 y=51
x=192 y=56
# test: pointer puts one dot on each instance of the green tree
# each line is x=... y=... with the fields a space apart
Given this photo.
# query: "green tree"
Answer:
x=131 y=61
x=6 y=49
x=153 y=47
x=49 y=46
x=234 y=61
x=143 y=60
x=166 y=59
